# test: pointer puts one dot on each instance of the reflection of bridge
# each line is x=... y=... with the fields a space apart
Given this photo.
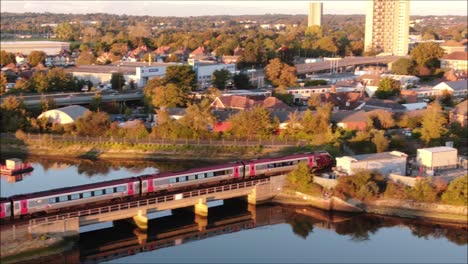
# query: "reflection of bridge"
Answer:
x=334 y=65
x=257 y=190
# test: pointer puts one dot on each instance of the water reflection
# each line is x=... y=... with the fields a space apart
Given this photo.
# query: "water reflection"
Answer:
x=125 y=243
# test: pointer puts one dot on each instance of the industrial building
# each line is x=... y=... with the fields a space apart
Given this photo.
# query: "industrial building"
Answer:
x=385 y=163
x=25 y=47
x=64 y=115
x=437 y=158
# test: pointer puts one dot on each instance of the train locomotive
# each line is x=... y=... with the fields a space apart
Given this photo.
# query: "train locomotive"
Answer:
x=54 y=200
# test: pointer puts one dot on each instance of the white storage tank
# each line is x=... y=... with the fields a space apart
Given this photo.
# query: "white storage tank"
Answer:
x=437 y=158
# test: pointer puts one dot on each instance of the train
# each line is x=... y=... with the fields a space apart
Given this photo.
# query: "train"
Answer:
x=24 y=205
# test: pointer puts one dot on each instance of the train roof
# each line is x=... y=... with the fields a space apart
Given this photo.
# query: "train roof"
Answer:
x=190 y=171
x=294 y=156
x=74 y=188
x=3 y=199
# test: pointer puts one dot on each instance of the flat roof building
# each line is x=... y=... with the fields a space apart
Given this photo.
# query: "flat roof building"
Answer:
x=25 y=47
x=437 y=158
x=385 y=163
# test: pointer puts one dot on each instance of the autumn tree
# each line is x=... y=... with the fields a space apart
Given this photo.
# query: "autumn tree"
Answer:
x=387 y=88
x=47 y=103
x=182 y=76
x=36 y=57
x=86 y=57
x=169 y=95
x=403 y=66
x=381 y=119
x=92 y=124
x=220 y=78
x=380 y=141
x=59 y=80
x=433 y=123
x=427 y=54
x=300 y=178
x=6 y=58
x=3 y=82
x=457 y=192
x=280 y=74
x=256 y=123
x=65 y=31
x=241 y=81
x=199 y=118
x=13 y=115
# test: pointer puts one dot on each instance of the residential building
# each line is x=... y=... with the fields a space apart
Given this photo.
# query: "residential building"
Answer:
x=456 y=88
x=315 y=14
x=245 y=103
x=385 y=163
x=387 y=26
x=460 y=113
x=457 y=61
x=352 y=120
x=371 y=104
x=204 y=70
x=451 y=46
x=437 y=158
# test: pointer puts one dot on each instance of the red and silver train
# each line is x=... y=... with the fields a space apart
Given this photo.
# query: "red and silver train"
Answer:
x=53 y=200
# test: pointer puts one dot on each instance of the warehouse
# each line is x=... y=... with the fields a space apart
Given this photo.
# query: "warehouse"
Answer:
x=385 y=163
x=437 y=158
x=64 y=115
x=25 y=47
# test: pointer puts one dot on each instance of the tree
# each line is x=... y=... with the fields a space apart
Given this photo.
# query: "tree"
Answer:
x=427 y=54
x=64 y=31
x=387 y=87
x=300 y=178
x=382 y=119
x=220 y=78
x=36 y=57
x=380 y=141
x=280 y=74
x=433 y=123
x=117 y=81
x=47 y=103
x=6 y=58
x=423 y=191
x=446 y=99
x=314 y=100
x=182 y=76
x=241 y=81
x=59 y=80
x=255 y=123
x=39 y=82
x=92 y=124
x=403 y=66
x=457 y=192
x=326 y=45
x=3 y=82
x=198 y=117
x=13 y=115
x=96 y=103
x=169 y=95
x=86 y=58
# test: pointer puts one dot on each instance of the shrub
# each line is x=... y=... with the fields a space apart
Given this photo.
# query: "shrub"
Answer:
x=457 y=192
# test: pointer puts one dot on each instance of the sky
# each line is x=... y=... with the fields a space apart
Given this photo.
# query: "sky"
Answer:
x=201 y=8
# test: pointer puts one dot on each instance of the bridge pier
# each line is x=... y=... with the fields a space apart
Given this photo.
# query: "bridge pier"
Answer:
x=141 y=220
x=67 y=227
x=201 y=207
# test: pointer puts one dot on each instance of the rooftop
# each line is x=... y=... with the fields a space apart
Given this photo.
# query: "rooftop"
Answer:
x=377 y=156
x=438 y=149
x=458 y=55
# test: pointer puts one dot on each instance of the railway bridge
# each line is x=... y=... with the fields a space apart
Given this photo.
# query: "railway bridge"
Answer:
x=254 y=191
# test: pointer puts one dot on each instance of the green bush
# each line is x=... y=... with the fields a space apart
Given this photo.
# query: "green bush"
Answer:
x=457 y=192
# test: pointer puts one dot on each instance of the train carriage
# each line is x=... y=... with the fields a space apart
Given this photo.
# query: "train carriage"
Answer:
x=53 y=200
x=201 y=176
x=5 y=208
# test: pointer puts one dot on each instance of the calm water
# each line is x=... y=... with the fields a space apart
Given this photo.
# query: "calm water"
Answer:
x=237 y=233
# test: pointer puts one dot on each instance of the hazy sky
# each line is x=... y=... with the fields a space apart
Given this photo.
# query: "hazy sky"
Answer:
x=198 y=8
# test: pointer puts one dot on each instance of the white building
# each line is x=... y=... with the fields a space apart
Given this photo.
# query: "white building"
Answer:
x=437 y=158
x=204 y=70
x=385 y=163
x=64 y=115
x=25 y=47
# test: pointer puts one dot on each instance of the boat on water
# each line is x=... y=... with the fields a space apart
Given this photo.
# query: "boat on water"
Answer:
x=15 y=166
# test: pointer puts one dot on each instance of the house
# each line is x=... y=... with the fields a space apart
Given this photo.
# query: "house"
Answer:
x=457 y=61
x=410 y=96
x=453 y=46
x=343 y=100
x=352 y=120
x=64 y=115
x=389 y=105
x=385 y=163
x=456 y=88
x=460 y=114
x=222 y=120
x=200 y=54
x=437 y=158
x=245 y=103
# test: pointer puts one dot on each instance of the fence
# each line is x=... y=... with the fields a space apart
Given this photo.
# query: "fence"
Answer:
x=274 y=142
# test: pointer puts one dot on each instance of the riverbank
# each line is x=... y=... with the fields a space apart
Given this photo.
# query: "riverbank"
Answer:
x=398 y=208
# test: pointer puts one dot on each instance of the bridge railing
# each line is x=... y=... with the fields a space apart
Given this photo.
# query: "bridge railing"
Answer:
x=274 y=142
x=148 y=201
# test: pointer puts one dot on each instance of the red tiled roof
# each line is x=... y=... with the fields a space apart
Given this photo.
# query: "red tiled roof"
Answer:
x=451 y=43
x=163 y=50
x=199 y=51
x=274 y=103
x=458 y=55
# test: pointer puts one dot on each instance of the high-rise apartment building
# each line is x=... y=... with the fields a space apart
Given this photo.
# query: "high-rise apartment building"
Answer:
x=387 y=26
x=315 y=14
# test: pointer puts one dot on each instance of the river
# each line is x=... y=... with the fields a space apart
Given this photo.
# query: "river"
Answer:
x=235 y=232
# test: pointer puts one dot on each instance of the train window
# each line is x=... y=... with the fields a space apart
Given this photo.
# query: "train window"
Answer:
x=209 y=174
x=63 y=198
x=261 y=167
x=219 y=173
x=86 y=194
x=16 y=206
x=109 y=190
x=173 y=180
x=182 y=179
x=200 y=176
x=52 y=200
x=191 y=177
x=75 y=196
x=32 y=203
x=144 y=184
x=121 y=189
